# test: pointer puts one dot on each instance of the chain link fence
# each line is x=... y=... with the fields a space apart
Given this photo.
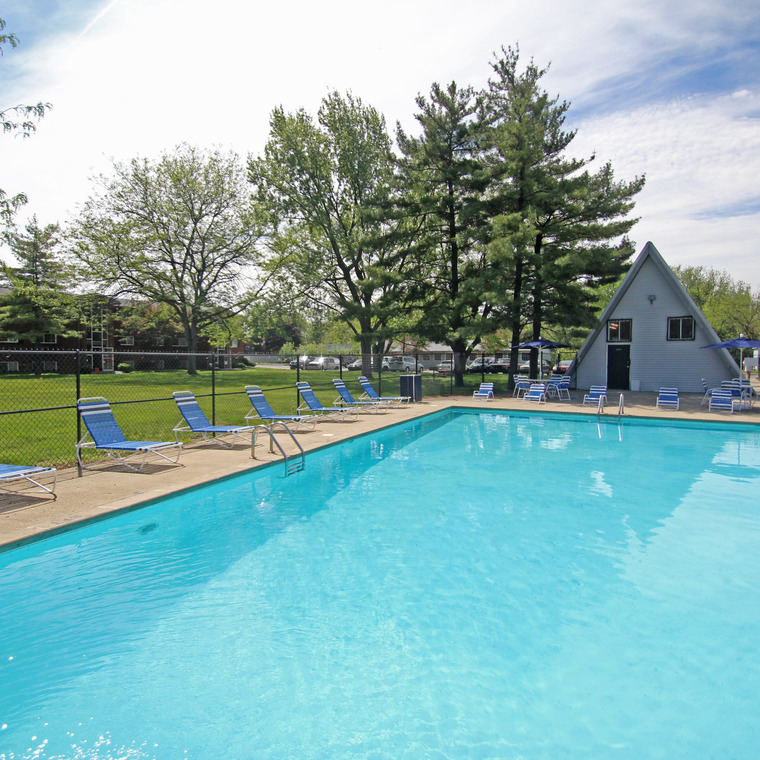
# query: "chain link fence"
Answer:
x=39 y=423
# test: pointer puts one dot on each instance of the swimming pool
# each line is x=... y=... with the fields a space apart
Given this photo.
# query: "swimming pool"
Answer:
x=468 y=585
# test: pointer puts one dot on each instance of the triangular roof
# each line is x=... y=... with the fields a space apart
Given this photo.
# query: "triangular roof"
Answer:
x=651 y=253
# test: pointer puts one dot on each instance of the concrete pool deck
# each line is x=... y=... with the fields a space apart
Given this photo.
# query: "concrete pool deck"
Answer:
x=109 y=488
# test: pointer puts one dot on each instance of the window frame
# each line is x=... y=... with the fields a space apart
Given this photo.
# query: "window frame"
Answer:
x=620 y=322
x=681 y=321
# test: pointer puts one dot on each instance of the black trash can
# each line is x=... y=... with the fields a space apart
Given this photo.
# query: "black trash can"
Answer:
x=411 y=385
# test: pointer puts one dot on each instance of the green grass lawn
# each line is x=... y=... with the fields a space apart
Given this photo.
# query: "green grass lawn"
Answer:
x=143 y=404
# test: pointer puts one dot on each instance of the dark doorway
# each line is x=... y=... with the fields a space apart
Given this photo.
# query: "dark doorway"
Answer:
x=618 y=367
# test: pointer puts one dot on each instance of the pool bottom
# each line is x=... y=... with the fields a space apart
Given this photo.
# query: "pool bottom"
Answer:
x=540 y=606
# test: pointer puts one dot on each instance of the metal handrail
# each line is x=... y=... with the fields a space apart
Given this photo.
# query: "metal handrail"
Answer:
x=600 y=405
x=289 y=467
x=621 y=405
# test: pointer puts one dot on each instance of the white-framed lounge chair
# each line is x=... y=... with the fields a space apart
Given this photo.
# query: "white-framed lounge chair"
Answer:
x=722 y=400
x=596 y=392
x=667 y=398
x=346 y=399
x=263 y=411
x=563 y=389
x=338 y=413
x=195 y=421
x=522 y=386
x=708 y=392
x=108 y=437
x=536 y=394
x=10 y=473
x=485 y=391
x=370 y=393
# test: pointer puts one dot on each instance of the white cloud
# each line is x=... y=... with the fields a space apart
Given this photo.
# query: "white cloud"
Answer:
x=701 y=157
x=144 y=75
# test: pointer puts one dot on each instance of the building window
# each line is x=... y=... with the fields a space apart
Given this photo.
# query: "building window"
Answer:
x=50 y=366
x=127 y=340
x=619 y=331
x=49 y=338
x=681 y=328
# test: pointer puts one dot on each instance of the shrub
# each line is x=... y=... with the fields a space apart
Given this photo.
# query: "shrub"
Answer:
x=124 y=367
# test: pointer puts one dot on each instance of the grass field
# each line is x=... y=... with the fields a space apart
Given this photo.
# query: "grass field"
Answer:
x=143 y=404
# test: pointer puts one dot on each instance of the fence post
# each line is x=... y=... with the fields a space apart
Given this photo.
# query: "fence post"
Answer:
x=213 y=387
x=340 y=366
x=78 y=373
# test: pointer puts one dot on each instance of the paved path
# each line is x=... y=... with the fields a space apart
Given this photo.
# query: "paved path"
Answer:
x=111 y=488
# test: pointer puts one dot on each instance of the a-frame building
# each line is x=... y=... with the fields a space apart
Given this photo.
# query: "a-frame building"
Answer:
x=650 y=336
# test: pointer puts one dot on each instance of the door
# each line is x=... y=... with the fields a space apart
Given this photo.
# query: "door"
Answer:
x=618 y=366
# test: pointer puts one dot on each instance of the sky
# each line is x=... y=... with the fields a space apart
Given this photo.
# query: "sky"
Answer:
x=660 y=88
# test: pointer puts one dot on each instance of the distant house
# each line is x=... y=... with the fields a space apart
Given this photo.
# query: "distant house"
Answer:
x=650 y=336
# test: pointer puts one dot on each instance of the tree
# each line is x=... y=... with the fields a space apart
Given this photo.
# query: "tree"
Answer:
x=38 y=303
x=324 y=185
x=20 y=120
x=444 y=179
x=559 y=230
x=729 y=305
x=178 y=231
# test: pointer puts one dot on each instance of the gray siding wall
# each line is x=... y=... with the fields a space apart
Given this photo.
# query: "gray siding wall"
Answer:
x=656 y=361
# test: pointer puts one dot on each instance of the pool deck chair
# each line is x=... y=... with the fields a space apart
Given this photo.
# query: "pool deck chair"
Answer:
x=345 y=397
x=522 y=386
x=336 y=413
x=596 y=392
x=722 y=401
x=371 y=394
x=536 y=394
x=667 y=398
x=264 y=412
x=108 y=437
x=485 y=392
x=195 y=421
x=10 y=473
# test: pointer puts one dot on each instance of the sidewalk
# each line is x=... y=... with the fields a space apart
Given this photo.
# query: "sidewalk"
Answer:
x=109 y=488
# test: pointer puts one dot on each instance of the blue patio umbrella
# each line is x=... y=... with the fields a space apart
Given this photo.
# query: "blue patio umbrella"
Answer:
x=539 y=344
x=741 y=343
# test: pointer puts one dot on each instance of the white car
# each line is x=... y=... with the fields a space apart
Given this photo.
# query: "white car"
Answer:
x=324 y=362
x=400 y=364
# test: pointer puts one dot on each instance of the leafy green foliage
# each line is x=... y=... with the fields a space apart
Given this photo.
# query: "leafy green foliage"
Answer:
x=19 y=120
x=178 y=232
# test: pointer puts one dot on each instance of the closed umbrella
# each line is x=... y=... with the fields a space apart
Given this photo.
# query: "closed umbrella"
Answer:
x=539 y=344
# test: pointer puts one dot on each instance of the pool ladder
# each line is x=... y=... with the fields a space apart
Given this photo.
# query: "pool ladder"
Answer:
x=291 y=465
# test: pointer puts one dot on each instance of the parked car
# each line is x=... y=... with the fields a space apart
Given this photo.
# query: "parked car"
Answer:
x=561 y=367
x=445 y=366
x=399 y=364
x=498 y=366
x=355 y=366
x=547 y=368
x=324 y=362
x=478 y=364
x=301 y=362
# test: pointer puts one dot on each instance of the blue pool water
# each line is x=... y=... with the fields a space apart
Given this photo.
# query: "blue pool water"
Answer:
x=470 y=585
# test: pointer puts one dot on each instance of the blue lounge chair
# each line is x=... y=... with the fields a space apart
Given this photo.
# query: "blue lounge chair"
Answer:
x=536 y=394
x=563 y=389
x=345 y=398
x=107 y=436
x=522 y=386
x=10 y=473
x=722 y=400
x=264 y=412
x=485 y=391
x=667 y=398
x=195 y=421
x=595 y=394
x=339 y=413
x=371 y=394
